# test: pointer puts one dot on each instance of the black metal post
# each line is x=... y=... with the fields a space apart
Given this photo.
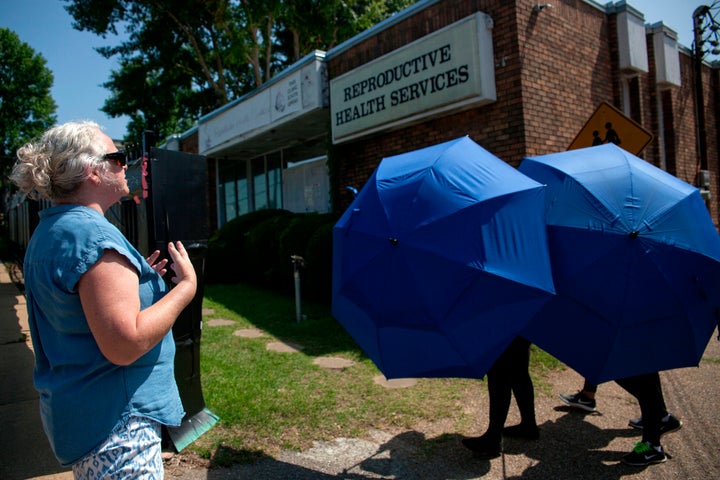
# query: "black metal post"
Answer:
x=698 y=31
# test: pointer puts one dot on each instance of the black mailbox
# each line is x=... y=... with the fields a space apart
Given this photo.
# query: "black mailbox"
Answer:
x=168 y=202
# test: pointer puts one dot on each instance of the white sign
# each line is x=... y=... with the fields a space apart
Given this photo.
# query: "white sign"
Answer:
x=285 y=97
x=297 y=93
x=241 y=118
x=450 y=69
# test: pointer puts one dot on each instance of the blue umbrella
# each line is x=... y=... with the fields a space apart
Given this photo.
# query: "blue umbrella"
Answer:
x=636 y=265
x=440 y=260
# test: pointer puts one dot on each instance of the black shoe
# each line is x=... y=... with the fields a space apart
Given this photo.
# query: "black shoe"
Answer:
x=645 y=454
x=526 y=432
x=669 y=425
x=579 y=400
x=483 y=447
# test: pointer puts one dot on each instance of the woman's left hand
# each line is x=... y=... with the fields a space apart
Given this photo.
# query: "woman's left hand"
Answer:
x=159 y=267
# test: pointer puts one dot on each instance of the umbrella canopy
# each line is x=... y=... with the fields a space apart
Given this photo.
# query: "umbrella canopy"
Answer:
x=440 y=260
x=635 y=259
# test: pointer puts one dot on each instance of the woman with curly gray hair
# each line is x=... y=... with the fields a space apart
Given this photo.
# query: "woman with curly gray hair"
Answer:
x=100 y=314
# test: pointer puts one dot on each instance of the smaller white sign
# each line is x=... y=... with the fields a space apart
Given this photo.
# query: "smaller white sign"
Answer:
x=297 y=93
x=285 y=97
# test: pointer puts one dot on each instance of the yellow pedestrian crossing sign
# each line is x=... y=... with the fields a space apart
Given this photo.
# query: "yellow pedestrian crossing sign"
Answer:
x=610 y=125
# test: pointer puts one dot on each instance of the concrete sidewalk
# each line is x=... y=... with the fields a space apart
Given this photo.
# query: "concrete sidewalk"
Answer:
x=24 y=449
x=573 y=445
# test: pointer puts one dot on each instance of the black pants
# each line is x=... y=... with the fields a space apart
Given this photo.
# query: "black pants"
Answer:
x=647 y=389
x=589 y=387
x=509 y=375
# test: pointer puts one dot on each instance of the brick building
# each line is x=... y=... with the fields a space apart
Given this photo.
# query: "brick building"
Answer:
x=519 y=78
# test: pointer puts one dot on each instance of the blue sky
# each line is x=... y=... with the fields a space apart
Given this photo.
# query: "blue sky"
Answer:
x=79 y=70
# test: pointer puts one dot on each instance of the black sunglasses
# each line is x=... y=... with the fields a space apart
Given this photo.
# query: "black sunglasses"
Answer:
x=118 y=157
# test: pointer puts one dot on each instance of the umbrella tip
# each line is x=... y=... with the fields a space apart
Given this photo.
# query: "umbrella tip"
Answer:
x=393 y=241
x=634 y=234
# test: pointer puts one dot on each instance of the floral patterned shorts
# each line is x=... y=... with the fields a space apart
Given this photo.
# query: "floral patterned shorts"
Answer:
x=132 y=451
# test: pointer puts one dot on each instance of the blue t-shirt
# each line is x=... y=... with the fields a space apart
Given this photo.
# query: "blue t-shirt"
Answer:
x=83 y=395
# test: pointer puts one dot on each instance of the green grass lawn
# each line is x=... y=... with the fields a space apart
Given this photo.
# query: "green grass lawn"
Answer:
x=268 y=400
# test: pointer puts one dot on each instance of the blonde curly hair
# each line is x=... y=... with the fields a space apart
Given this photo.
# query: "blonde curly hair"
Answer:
x=56 y=165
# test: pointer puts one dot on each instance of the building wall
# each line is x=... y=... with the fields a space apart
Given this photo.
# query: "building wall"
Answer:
x=356 y=160
x=711 y=87
x=683 y=135
x=565 y=64
x=681 y=126
x=552 y=70
x=189 y=143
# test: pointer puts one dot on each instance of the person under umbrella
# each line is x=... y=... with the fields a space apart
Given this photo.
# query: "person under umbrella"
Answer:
x=440 y=260
x=508 y=376
x=635 y=256
x=437 y=264
x=647 y=389
x=584 y=399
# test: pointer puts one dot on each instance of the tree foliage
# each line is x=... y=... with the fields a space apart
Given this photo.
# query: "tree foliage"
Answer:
x=26 y=107
x=181 y=59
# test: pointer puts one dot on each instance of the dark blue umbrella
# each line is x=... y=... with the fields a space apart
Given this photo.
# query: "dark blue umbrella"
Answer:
x=440 y=260
x=635 y=259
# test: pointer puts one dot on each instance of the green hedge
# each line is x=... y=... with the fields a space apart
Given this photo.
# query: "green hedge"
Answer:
x=317 y=277
x=256 y=248
x=224 y=261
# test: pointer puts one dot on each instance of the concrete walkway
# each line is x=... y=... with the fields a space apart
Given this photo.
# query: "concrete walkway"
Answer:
x=573 y=445
x=24 y=449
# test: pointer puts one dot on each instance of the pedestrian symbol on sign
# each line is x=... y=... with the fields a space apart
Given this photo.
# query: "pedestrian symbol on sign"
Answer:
x=615 y=127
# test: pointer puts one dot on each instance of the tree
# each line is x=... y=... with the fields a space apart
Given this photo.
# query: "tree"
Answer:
x=323 y=24
x=26 y=107
x=186 y=58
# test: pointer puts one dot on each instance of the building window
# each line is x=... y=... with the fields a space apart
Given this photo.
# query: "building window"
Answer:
x=306 y=182
x=229 y=203
x=249 y=185
x=630 y=90
x=667 y=132
x=243 y=196
x=635 y=104
x=274 y=180
x=257 y=167
x=232 y=190
x=267 y=181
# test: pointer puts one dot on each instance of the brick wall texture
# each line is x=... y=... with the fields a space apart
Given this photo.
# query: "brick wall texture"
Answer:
x=552 y=70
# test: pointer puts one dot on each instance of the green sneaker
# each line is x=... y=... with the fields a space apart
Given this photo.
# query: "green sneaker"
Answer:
x=645 y=454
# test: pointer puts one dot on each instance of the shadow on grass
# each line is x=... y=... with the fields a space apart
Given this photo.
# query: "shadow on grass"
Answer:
x=318 y=332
